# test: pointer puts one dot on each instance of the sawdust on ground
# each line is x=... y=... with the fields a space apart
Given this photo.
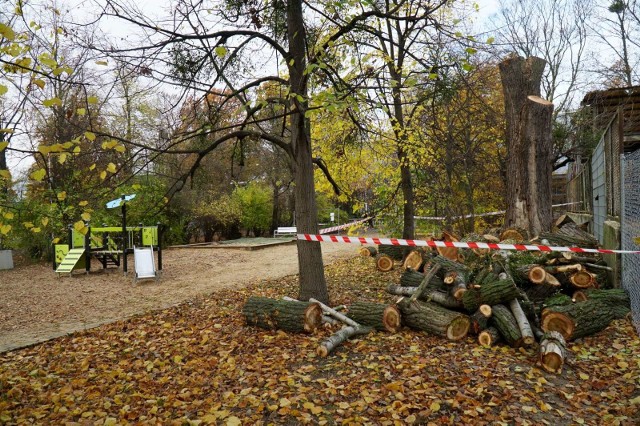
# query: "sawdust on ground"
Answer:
x=35 y=305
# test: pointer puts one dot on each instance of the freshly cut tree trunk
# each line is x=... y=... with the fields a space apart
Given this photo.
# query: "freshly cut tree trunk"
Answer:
x=337 y=338
x=384 y=262
x=529 y=145
x=440 y=297
x=394 y=252
x=428 y=275
x=379 y=316
x=617 y=299
x=557 y=300
x=553 y=350
x=410 y=278
x=582 y=279
x=506 y=324
x=451 y=265
x=579 y=296
x=450 y=253
x=577 y=319
x=480 y=319
x=501 y=291
x=514 y=234
x=459 y=288
x=523 y=323
x=434 y=319
x=414 y=260
x=368 y=251
x=489 y=337
x=285 y=315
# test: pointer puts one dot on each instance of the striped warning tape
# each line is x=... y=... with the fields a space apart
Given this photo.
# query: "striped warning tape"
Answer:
x=473 y=245
x=339 y=227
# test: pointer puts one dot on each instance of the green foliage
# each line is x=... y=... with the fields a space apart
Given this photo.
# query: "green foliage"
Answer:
x=216 y=215
x=256 y=207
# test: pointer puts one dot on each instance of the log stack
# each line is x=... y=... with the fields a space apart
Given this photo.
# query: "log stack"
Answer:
x=521 y=298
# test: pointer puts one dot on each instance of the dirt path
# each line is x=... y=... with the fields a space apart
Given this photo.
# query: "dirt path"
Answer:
x=36 y=306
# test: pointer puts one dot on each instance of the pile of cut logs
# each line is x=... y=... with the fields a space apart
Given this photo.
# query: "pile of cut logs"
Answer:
x=519 y=298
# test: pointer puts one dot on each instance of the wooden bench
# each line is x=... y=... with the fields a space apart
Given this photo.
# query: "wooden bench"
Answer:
x=285 y=231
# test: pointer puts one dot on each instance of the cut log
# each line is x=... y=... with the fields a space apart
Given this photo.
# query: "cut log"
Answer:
x=428 y=275
x=577 y=320
x=450 y=253
x=335 y=314
x=501 y=291
x=384 y=262
x=414 y=260
x=578 y=296
x=504 y=321
x=617 y=299
x=582 y=279
x=528 y=338
x=434 y=319
x=440 y=297
x=539 y=292
x=400 y=290
x=514 y=234
x=379 y=316
x=411 y=278
x=553 y=350
x=557 y=300
x=293 y=316
x=489 y=337
x=368 y=251
x=480 y=319
x=336 y=339
x=394 y=252
x=451 y=265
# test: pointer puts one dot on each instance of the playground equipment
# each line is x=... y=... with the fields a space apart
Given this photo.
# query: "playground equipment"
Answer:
x=111 y=246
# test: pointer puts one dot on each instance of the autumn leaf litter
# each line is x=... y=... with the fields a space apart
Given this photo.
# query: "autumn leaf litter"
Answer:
x=198 y=363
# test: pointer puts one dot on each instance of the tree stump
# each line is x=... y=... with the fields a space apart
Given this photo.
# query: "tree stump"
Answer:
x=284 y=315
x=376 y=315
x=434 y=319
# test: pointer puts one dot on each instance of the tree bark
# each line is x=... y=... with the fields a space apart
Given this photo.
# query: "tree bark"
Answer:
x=577 y=320
x=411 y=278
x=368 y=251
x=379 y=316
x=501 y=291
x=434 y=319
x=312 y=280
x=523 y=323
x=480 y=319
x=506 y=324
x=337 y=338
x=394 y=252
x=553 y=350
x=529 y=145
x=285 y=315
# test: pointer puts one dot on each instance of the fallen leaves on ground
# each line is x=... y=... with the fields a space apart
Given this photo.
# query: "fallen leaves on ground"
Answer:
x=198 y=363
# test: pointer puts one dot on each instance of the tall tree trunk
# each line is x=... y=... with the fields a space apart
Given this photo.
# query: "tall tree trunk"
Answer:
x=529 y=153
x=311 y=268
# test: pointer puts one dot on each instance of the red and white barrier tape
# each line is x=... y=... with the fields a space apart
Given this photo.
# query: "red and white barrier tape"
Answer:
x=339 y=227
x=473 y=245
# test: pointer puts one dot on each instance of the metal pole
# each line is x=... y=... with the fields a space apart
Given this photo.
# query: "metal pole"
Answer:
x=124 y=235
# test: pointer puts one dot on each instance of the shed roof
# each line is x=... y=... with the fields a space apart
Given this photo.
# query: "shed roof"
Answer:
x=605 y=103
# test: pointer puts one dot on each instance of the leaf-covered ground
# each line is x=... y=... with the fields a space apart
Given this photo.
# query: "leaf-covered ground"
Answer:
x=198 y=364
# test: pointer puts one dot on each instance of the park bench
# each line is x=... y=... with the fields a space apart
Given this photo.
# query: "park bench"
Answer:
x=285 y=231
